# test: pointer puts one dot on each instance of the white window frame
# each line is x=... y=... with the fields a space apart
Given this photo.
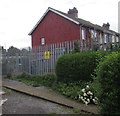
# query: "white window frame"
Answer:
x=42 y=41
x=105 y=38
x=117 y=39
x=95 y=34
x=113 y=38
x=92 y=33
x=83 y=34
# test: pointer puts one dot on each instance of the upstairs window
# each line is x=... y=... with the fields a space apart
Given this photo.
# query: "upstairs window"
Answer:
x=83 y=34
x=100 y=38
x=113 y=38
x=42 y=41
x=105 y=39
x=117 y=39
x=92 y=34
x=95 y=34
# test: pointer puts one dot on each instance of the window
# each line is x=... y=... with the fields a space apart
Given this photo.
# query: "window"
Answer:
x=117 y=40
x=83 y=34
x=42 y=41
x=113 y=38
x=92 y=34
x=95 y=34
x=100 y=38
x=105 y=39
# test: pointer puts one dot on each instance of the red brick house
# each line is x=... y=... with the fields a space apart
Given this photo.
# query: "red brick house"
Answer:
x=56 y=26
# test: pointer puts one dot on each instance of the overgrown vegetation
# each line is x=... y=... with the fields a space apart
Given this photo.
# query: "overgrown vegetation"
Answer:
x=71 y=90
x=86 y=75
x=76 y=47
x=37 y=80
x=108 y=84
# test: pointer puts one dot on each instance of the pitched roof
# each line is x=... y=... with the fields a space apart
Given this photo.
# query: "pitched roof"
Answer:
x=75 y=20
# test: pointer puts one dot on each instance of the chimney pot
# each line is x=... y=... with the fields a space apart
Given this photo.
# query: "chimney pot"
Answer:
x=106 y=26
x=73 y=12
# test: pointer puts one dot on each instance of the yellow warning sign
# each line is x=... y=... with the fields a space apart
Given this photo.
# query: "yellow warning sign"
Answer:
x=47 y=55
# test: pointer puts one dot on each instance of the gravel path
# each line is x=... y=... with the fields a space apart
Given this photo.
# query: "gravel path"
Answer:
x=19 y=103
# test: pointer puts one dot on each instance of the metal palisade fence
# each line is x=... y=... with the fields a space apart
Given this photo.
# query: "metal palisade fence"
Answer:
x=42 y=59
x=38 y=61
x=15 y=64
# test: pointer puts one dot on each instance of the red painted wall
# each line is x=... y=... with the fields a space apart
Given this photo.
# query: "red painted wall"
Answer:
x=55 y=28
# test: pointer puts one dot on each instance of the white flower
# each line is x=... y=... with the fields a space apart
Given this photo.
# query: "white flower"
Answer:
x=91 y=97
x=81 y=97
x=87 y=87
x=96 y=98
x=88 y=100
x=83 y=90
x=84 y=94
x=83 y=100
x=93 y=100
x=90 y=93
x=86 y=103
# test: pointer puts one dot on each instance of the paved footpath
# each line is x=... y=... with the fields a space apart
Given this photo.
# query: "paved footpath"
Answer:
x=50 y=96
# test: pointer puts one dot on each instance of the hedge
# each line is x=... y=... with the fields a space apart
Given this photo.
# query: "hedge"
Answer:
x=108 y=89
x=78 y=66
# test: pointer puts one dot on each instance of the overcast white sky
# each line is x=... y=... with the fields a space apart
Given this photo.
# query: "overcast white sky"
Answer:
x=18 y=17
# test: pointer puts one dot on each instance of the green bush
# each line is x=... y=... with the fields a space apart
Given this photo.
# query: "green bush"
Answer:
x=49 y=79
x=24 y=75
x=108 y=84
x=78 y=66
x=71 y=90
x=37 y=80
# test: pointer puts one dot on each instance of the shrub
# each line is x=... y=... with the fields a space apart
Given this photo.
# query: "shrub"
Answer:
x=37 y=80
x=24 y=75
x=49 y=79
x=78 y=66
x=71 y=90
x=108 y=84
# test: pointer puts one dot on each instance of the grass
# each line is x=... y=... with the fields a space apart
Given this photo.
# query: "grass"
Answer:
x=71 y=110
x=71 y=90
x=8 y=91
x=52 y=113
x=77 y=111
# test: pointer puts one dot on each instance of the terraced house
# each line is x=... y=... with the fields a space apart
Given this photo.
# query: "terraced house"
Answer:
x=56 y=26
x=54 y=35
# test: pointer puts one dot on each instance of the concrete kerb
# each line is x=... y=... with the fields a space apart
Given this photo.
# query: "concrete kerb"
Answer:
x=46 y=96
x=36 y=96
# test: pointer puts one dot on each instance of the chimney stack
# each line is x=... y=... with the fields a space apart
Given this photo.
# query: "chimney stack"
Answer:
x=73 y=12
x=106 y=26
